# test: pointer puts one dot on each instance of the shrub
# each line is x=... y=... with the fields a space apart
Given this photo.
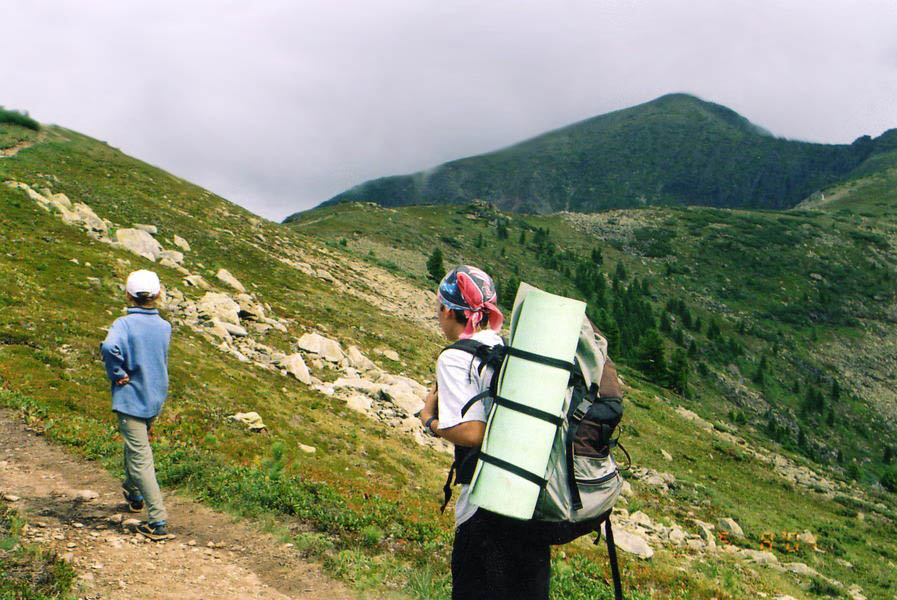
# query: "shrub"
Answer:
x=14 y=117
x=889 y=479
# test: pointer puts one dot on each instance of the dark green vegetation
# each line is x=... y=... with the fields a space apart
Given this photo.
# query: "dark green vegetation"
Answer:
x=26 y=572
x=12 y=117
x=675 y=150
x=366 y=503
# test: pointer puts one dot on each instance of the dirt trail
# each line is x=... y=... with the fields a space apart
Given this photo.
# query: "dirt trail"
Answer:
x=212 y=557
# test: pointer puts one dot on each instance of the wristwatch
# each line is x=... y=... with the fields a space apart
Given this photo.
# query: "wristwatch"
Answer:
x=427 y=425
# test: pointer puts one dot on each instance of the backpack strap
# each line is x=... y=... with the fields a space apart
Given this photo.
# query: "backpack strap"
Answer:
x=612 y=558
x=611 y=552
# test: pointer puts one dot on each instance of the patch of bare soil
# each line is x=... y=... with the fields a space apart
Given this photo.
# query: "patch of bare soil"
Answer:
x=211 y=557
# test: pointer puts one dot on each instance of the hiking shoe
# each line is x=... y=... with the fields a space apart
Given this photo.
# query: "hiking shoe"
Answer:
x=135 y=503
x=154 y=531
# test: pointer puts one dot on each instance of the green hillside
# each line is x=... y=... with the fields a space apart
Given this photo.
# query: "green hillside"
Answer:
x=675 y=150
x=358 y=489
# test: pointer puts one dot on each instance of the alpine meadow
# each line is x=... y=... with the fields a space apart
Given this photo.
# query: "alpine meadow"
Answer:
x=746 y=285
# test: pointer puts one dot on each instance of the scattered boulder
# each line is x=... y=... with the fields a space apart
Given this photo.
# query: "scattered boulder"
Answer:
x=235 y=330
x=181 y=243
x=801 y=569
x=197 y=281
x=308 y=449
x=626 y=491
x=251 y=419
x=358 y=384
x=666 y=455
x=172 y=255
x=218 y=329
x=390 y=354
x=249 y=308
x=324 y=275
x=358 y=360
x=86 y=495
x=150 y=229
x=761 y=557
x=139 y=242
x=677 y=536
x=359 y=403
x=730 y=526
x=216 y=305
x=632 y=543
x=324 y=347
x=807 y=538
x=640 y=518
x=227 y=278
x=11 y=498
x=295 y=366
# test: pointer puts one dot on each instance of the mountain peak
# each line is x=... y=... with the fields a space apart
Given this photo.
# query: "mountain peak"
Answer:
x=677 y=149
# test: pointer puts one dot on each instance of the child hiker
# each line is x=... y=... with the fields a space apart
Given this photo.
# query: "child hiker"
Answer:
x=135 y=352
x=493 y=557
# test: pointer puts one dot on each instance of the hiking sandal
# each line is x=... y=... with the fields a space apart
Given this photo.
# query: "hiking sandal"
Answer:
x=154 y=531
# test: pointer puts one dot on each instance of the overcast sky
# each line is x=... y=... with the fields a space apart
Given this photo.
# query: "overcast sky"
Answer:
x=278 y=105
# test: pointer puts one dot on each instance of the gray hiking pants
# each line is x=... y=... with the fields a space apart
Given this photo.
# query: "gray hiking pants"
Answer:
x=140 y=472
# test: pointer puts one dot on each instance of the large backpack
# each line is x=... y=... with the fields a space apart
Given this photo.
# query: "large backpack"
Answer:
x=582 y=481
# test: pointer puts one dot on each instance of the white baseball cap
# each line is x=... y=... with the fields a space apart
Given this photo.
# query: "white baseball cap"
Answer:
x=143 y=281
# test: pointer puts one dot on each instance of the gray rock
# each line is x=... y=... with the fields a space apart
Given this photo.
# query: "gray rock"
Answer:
x=761 y=557
x=197 y=281
x=150 y=229
x=359 y=403
x=235 y=330
x=666 y=455
x=139 y=242
x=390 y=354
x=730 y=526
x=216 y=305
x=249 y=308
x=640 y=518
x=227 y=278
x=308 y=449
x=172 y=255
x=359 y=360
x=324 y=347
x=677 y=536
x=86 y=495
x=181 y=243
x=801 y=569
x=632 y=543
x=295 y=366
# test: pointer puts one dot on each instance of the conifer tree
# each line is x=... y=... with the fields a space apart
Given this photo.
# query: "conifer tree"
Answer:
x=597 y=256
x=665 y=326
x=650 y=358
x=434 y=265
x=679 y=373
x=620 y=273
x=522 y=239
x=693 y=350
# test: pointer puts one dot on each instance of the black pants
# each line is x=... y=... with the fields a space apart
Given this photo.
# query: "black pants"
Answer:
x=497 y=558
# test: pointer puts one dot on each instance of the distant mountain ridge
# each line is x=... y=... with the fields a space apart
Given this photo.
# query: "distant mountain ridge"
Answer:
x=675 y=150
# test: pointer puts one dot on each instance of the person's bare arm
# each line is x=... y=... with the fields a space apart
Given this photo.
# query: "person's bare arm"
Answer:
x=469 y=433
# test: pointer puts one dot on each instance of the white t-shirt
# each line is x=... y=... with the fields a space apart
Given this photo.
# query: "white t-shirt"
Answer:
x=458 y=383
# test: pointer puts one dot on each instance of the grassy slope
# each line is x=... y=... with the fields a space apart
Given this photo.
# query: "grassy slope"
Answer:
x=785 y=285
x=365 y=503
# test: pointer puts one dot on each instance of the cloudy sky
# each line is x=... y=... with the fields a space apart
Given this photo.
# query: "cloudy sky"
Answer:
x=280 y=104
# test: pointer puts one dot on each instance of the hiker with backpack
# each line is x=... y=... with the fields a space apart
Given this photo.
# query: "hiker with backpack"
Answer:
x=493 y=557
x=504 y=552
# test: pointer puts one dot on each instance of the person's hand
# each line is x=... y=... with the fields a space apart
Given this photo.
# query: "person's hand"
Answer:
x=431 y=406
x=123 y=381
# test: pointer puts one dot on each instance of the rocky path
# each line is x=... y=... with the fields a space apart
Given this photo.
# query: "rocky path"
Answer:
x=75 y=508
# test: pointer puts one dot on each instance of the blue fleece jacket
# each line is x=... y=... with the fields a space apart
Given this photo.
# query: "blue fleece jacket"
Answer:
x=137 y=347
